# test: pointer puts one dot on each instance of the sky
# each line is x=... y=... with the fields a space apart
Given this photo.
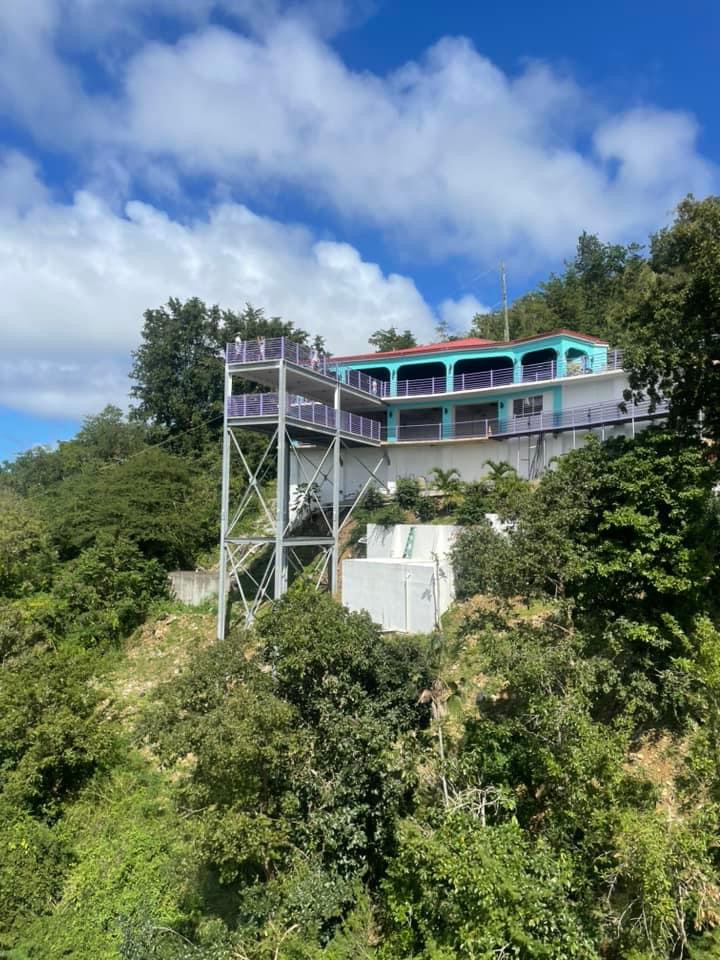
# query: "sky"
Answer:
x=346 y=164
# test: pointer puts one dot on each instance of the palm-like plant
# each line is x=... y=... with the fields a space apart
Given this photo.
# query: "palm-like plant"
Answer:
x=449 y=484
x=497 y=469
x=446 y=481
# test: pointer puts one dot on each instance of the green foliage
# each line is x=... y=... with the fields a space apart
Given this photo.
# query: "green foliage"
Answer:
x=53 y=734
x=165 y=504
x=670 y=325
x=483 y=561
x=392 y=339
x=408 y=492
x=468 y=891
x=106 y=438
x=26 y=554
x=131 y=859
x=426 y=510
x=294 y=740
x=106 y=592
x=662 y=882
x=586 y=297
x=34 y=859
x=178 y=368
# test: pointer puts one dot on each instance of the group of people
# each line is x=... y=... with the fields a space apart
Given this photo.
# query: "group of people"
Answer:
x=249 y=352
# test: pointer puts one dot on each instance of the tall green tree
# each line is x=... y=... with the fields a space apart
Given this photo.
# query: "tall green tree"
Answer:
x=584 y=297
x=177 y=369
x=672 y=325
x=392 y=339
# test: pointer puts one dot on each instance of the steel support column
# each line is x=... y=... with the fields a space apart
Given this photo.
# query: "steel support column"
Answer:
x=281 y=497
x=224 y=506
x=336 y=478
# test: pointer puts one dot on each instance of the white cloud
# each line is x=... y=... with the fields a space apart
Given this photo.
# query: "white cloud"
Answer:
x=76 y=278
x=448 y=154
x=458 y=314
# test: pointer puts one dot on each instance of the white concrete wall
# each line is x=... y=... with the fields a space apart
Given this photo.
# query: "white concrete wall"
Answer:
x=597 y=388
x=403 y=595
x=193 y=586
x=430 y=541
x=468 y=456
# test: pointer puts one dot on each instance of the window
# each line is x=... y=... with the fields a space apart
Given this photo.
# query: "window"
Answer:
x=525 y=406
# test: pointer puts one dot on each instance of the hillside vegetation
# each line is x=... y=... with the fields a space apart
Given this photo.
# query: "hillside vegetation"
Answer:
x=539 y=780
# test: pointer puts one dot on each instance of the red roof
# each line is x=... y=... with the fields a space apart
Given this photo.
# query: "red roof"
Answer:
x=467 y=343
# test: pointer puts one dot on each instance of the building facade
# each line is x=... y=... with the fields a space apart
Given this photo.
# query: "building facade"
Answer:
x=462 y=403
x=338 y=426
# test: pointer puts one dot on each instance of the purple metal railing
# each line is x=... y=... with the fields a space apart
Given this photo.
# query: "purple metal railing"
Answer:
x=502 y=376
x=256 y=405
x=281 y=348
x=572 y=417
x=277 y=348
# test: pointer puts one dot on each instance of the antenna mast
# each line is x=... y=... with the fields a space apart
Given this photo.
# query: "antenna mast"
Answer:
x=503 y=282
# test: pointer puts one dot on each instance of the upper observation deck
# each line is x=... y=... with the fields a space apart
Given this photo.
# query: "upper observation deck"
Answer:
x=308 y=373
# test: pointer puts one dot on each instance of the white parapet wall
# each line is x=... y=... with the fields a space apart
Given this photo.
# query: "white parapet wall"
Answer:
x=406 y=582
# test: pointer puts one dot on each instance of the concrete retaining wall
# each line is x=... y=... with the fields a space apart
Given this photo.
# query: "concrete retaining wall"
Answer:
x=193 y=586
x=404 y=595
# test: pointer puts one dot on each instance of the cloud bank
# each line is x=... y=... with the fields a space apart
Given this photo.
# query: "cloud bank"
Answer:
x=446 y=156
x=77 y=277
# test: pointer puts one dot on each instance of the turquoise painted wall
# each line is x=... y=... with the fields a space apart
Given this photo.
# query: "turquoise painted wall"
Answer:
x=561 y=344
x=503 y=400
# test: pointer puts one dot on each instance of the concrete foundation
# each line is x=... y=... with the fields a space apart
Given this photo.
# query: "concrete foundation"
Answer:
x=406 y=581
x=193 y=586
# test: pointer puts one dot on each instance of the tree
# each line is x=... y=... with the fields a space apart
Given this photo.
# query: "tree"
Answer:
x=104 y=438
x=392 y=339
x=165 y=504
x=672 y=325
x=296 y=730
x=585 y=297
x=26 y=554
x=177 y=369
x=106 y=592
x=464 y=890
x=53 y=731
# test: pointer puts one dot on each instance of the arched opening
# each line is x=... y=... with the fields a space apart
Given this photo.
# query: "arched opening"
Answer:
x=577 y=361
x=377 y=373
x=539 y=365
x=415 y=379
x=474 y=373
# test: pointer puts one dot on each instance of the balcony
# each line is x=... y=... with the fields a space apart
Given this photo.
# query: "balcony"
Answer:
x=572 y=418
x=265 y=406
x=273 y=349
x=504 y=376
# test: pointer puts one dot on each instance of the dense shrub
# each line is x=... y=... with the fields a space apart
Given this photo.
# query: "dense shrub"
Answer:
x=106 y=592
x=407 y=492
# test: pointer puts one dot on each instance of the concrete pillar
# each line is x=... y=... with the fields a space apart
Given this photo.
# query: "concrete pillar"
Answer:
x=447 y=422
x=517 y=370
x=393 y=381
x=392 y=422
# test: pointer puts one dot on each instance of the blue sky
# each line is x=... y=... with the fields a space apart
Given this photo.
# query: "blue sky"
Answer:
x=348 y=165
